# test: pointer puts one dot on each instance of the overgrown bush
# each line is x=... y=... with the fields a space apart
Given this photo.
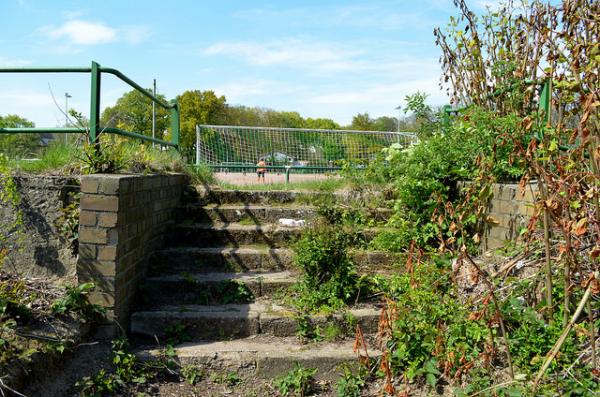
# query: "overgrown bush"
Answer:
x=329 y=277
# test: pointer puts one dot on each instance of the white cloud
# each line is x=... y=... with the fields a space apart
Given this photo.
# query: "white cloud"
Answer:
x=73 y=14
x=74 y=34
x=327 y=58
x=80 y=32
x=248 y=90
x=135 y=34
x=290 y=52
x=13 y=62
x=361 y=16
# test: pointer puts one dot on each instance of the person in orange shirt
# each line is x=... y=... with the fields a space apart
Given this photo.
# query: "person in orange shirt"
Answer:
x=261 y=171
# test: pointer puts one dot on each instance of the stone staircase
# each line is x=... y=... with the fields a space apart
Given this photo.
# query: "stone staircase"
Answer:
x=217 y=280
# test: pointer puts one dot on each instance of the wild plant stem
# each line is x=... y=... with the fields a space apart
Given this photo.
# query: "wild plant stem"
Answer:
x=548 y=264
x=563 y=337
x=592 y=335
x=491 y=288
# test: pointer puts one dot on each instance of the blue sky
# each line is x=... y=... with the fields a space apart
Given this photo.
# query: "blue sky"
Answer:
x=321 y=58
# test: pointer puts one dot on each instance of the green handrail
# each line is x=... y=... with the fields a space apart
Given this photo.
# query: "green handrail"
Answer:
x=545 y=106
x=95 y=129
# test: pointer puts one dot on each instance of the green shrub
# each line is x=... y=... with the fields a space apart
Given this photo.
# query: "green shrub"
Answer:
x=298 y=381
x=76 y=301
x=350 y=383
x=329 y=277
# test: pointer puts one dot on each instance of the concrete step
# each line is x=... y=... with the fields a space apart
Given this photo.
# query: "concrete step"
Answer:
x=265 y=357
x=236 y=235
x=245 y=213
x=213 y=259
x=250 y=258
x=226 y=196
x=233 y=234
x=211 y=288
x=221 y=322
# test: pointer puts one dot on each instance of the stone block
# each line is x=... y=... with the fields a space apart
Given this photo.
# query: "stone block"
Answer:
x=93 y=235
x=87 y=218
x=89 y=184
x=100 y=203
x=107 y=219
x=107 y=253
x=109 y=184
x=87 y=251
x=96 y=268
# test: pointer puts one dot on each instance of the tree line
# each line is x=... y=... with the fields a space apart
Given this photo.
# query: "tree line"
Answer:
x=133 y=112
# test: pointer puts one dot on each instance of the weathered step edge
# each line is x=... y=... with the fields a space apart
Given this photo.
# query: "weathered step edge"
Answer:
x=235 y=234
x=248 y=258
x=238 y=321
x=256 y=214
x=228 y=196
x=193 y=288
x=266 y=359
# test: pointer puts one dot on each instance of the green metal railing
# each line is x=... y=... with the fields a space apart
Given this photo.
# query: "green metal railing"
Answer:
x=95 y=129
x=544 y=108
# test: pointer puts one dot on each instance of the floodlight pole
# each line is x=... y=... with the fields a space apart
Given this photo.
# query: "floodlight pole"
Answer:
x=154 y=112
x=399 y=115
x=67 y=96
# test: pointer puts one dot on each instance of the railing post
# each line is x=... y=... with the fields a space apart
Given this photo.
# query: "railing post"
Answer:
x=287 y=174
x=95 y=103
x=546 y=99
x=175 y=124
x=197 y=145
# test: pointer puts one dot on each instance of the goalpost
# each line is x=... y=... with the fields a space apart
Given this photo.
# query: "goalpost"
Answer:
x=240 y=148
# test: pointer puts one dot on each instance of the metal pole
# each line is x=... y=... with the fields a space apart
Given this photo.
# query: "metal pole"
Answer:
x=67 y=96
x=154 y=113
x=197 y=145
x=399 y=115
x=95 y=103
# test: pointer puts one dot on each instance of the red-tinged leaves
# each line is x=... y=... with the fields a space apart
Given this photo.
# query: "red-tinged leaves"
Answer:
x=580 y=228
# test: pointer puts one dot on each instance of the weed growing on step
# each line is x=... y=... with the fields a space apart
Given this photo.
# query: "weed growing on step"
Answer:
x=176 y=333
x=229 y=378
x=127 y=370
x=233 y=291
x=297 y=382
x=351 y=382
x=76 y=301
x=329 y=278
x=192 y=373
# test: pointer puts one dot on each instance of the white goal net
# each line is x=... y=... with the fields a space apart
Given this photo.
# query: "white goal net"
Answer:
x=237 y=146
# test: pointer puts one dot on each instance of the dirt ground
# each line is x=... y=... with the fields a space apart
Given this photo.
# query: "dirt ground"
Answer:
x=249 y=178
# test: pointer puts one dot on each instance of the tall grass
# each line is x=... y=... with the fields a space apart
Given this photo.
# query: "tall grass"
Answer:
x=55 y=157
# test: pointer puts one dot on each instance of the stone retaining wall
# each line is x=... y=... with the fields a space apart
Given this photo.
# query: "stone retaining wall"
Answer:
x=512 y=210
x=122 y=221
x=41 y=252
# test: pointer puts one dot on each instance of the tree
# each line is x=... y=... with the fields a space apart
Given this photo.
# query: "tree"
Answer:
x=133 y=112
x=20 y=145
x=321 y=124
x=362 y=121
x=198 y=107
x=385 y=123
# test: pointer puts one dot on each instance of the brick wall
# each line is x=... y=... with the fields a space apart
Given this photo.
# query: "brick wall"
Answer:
x=122 y=221
x=512 y=210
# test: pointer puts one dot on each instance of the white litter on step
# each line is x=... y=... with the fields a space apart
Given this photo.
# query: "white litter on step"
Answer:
x=291 y=222
x=520 y=264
